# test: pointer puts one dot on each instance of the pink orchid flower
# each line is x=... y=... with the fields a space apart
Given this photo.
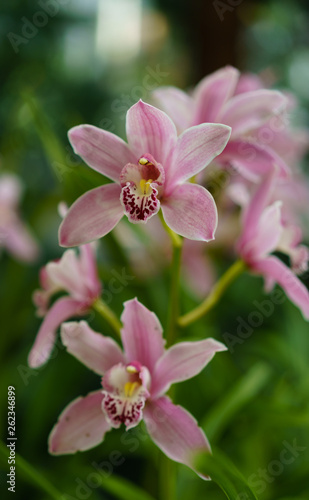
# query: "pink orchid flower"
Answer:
x=214 y=100
x=149 y=172
x=263 y=233
x=75 y=274
x=134 y=383
x=14 y=235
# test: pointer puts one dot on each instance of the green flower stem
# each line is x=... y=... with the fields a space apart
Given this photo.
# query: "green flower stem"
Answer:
x=167 y=478
x=31 y=474
x=173 y=309
x=176 y=239
x=216 y=293
x=173 y=306
x=102 y=308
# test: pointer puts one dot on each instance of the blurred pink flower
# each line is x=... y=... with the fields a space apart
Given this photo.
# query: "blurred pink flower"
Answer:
x=263 y=232
x=134 y=383
x=75 y=274
x=149 y=172
x=215 y=99
x=14 y=234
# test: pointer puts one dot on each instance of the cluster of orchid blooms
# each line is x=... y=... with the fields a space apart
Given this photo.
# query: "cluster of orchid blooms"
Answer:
x=231 y=122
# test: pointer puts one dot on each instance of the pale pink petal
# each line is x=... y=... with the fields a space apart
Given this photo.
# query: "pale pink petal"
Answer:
x=198 y=268
x=20 y=242
x=174 y=431
x=150 y=130
x=89 y=268
x=248 y=111
x=247 y=83
x=195 y=149
x=10 y=190
x=81 y=426
x=61 y=310
x=267 y=234
x=97 y=352
x=272 y=268
x=251 y=160
x=101 y=150
x=177 y=104
x=212 y=93
x=254 y=210
x=141 y=334
x=91 y=216
x=181 y=362
x=191 y=212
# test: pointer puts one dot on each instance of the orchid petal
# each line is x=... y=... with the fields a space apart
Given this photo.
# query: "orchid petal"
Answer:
x=267 y=233
x=254 y=210
x=248 y=111
x=20 y=242
x=101 y=150
x=141 y=334
x=181 y=362
x=174 y=430
x=89 y=268
x=190 y=211
x=253 y=161
x=91 y=216
x=97 y=352
x=150 y=130
x=81 y=426
x=213 y=92
x=61 y=310
x=195 y=149
x=272 y=268
x=176 y=103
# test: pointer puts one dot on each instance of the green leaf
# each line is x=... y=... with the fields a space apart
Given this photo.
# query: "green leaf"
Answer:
x=245 y=390
x=223 y=472
x=123 y=489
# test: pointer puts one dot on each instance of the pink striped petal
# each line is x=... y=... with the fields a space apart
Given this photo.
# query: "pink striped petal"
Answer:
x=151 y=131
x=174 y=431
x=254 y=210
x=177 y=104
x=81 y=426
x=248 y=111
x=61 y=310
x=91 y=216
x=97 y=352
x=276 y=271
x=181 y=362
x=191 y=212
x=141 y=334
x=213 y=92
x=101 y=150
x=267 y=233
x=195 y=149
x=253 y=161
x=89 y=268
